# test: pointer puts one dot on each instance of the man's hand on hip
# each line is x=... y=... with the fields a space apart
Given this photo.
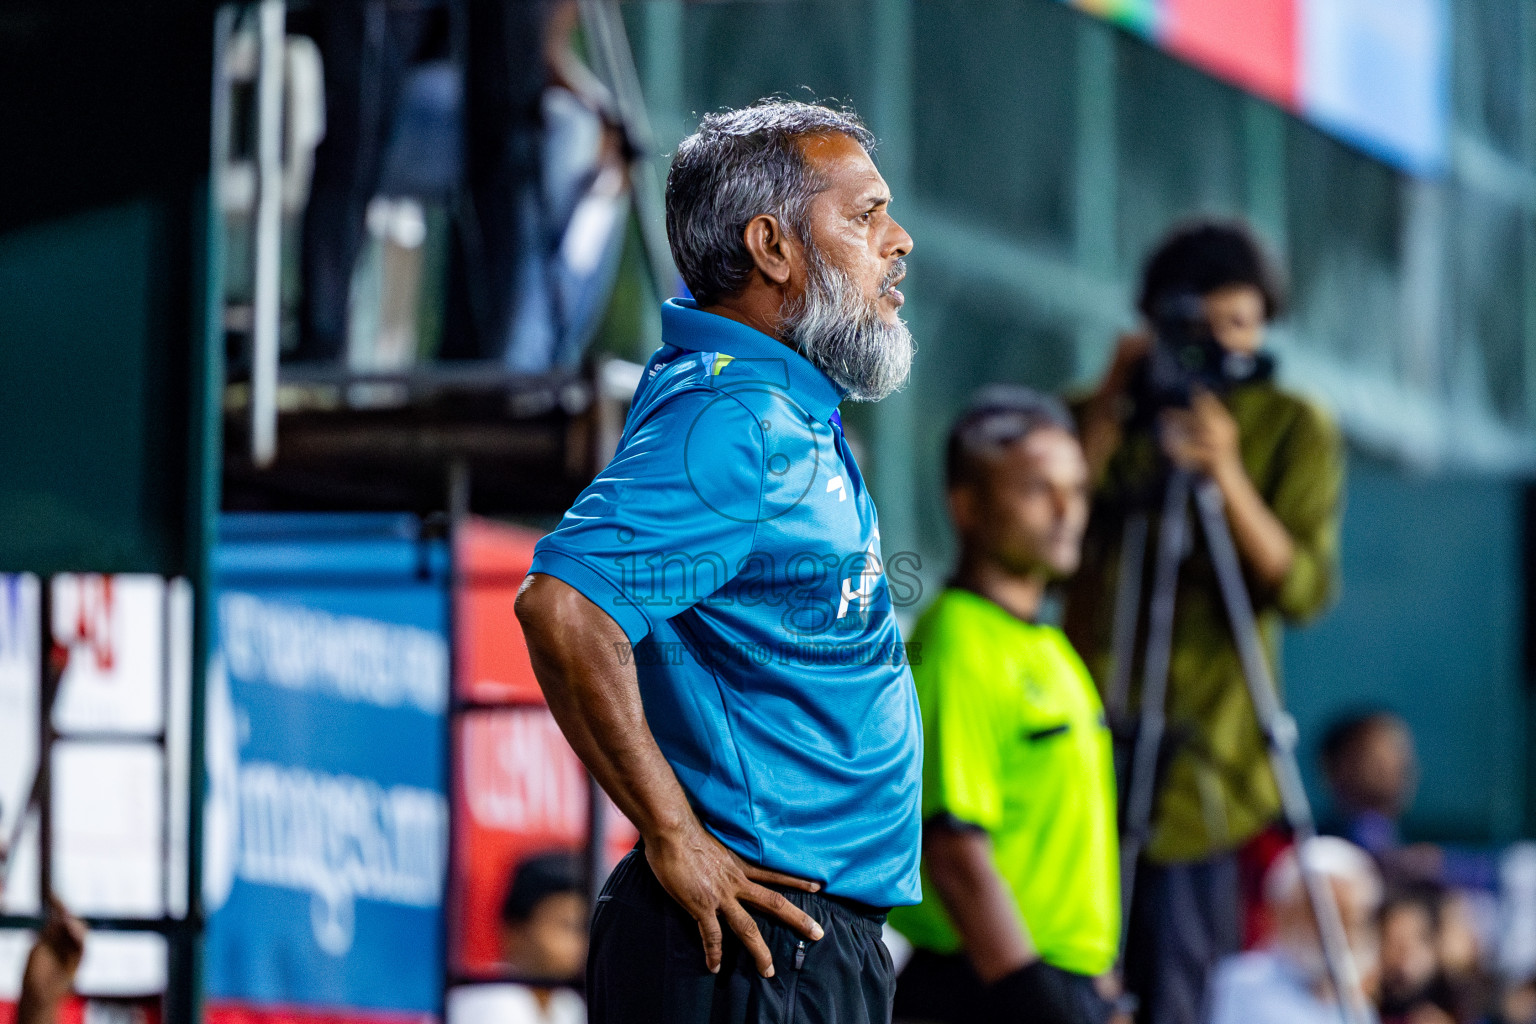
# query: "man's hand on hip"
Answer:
x=595 y=697
x=711 y=882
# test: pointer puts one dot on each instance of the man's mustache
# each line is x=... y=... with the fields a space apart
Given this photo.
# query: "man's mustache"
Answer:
x=894 y=276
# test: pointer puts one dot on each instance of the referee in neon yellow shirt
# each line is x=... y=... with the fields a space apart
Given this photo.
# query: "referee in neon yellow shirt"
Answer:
x=1021 y=892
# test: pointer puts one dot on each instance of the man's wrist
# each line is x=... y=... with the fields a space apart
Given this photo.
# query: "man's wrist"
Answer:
x=669 y=829
x=1229 y=475
x=997 y=972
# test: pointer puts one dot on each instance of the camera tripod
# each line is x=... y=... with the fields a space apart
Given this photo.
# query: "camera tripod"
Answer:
x=1174 y=542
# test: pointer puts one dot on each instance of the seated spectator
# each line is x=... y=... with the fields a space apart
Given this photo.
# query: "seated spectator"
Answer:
x=1413 y=986
x=1287 y=981
x=544 y=945
x=1471 y=986
x=1372 y=771
x=544 y=919
x=1517 y=1004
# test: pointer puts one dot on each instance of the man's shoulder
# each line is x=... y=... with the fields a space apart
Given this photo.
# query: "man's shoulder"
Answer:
x=1052 y=642
x=953 y=610
x=681 y=403
x=673 y=375
x=684 y=382
x=960 y=627
x=1292 y=409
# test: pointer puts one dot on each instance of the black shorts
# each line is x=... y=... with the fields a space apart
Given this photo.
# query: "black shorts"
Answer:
x=942 y=988
x=646 y=964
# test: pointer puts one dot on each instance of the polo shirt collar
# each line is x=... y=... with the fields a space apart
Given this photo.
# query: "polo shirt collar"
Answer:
x=687 y=326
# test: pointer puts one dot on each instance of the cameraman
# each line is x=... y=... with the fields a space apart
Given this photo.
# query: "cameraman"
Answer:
x=1278 y=462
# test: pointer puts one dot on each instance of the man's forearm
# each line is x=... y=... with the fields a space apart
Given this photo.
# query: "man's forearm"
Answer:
x=977 y=900
x=594 y=696
x=1101 y=435
x=1262 y=540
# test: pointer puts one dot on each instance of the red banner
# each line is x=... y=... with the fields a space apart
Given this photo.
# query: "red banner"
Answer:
x=1252 y=44
x=519 y=788
x=523 y=792
x=493 y=666
x=76 y=1009
x=240 y=1013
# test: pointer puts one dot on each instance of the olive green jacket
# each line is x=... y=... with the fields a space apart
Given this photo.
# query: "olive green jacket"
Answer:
x=1217 y=791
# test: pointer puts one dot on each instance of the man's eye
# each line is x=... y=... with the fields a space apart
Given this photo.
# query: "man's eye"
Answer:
x=864 y=217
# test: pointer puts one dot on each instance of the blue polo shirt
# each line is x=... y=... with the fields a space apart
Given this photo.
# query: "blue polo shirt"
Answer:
x=734 y=542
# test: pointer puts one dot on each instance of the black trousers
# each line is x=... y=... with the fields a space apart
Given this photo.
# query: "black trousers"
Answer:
x=369 y=47
x=942 y=988
x=1185 y=919
x=646 y=964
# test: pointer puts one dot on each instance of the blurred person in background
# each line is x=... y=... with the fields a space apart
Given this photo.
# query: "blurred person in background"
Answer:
x=1278 y=461
x=539 y=196
x=1021 y=901
x=368 y=50
x=1371 y=769
x=1517 y=1003
x=549 y=195
x=777 y=798
x=1286 y=981
x=1412 y=987
x=544 y=946
x=49 y=975
x=1470 y=975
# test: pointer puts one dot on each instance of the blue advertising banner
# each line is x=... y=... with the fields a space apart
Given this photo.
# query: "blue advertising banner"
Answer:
x=326 y=819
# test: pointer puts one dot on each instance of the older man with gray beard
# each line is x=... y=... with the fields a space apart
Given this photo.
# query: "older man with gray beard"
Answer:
x=711 y=623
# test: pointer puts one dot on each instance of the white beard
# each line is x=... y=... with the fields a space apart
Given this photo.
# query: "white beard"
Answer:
x=844 y=336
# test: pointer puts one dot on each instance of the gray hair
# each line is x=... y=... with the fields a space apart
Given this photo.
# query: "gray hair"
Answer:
x=741 y=164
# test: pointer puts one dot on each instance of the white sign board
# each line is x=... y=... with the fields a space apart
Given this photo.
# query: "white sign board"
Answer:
x=108 y=828
x=114 y=628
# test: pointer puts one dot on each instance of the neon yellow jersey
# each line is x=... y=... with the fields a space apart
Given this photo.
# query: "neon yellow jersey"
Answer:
x=1014 y=742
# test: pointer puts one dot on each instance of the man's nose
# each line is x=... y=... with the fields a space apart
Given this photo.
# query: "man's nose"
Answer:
x=899 y=243
x=1064 y=506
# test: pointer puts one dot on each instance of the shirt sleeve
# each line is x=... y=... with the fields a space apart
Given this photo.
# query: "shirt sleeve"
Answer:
x=670 y=519
x=964 y=730
x=1306 y=501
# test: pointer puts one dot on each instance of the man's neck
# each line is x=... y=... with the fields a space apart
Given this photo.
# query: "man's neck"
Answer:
x=754 y=310
x=1018 y=595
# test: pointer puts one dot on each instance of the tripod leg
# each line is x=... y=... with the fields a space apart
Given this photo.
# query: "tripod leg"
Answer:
x=1172 y=540
x=1279 y=731
x=1133 y=556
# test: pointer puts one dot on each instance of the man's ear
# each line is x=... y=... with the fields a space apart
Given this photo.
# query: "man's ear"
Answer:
x=771 y=247
x=962 y=507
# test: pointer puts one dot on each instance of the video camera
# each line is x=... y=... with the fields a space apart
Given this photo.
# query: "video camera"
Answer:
x=1186 y=357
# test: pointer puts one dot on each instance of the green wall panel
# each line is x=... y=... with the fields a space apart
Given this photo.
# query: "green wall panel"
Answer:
x=105 y=360
x=91 y=475
x=1429 y=624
